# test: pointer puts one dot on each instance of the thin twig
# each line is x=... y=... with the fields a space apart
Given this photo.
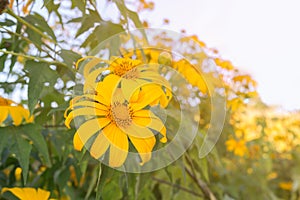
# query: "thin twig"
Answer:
x=177 y=186
x=201 y=184
x=34 y=58
x=20 y=19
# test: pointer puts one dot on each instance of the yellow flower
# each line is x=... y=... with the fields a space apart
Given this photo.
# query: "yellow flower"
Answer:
x=191 y=74
x=18 y=173
x=28 y=193
x=133 y=74
x=237 y=147
x=15 y=111
x=286 y=185
x=115 y=121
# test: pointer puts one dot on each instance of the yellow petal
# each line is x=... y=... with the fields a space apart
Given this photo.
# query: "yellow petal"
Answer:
x=3 y=113
x=99 y=146
x=90 y=127
x=83 y=112
x=28 y=193
x=15 y=115
x=142 y=113
x=43 y=194
x=144 y=146
x=77 y=143
x=157 y=125
x=118 y=147
x=137 y=131
x=108 y=86
x=145 y=98
x=91 y=79
x=129 y=88
x=91 y=104
x=141 y=121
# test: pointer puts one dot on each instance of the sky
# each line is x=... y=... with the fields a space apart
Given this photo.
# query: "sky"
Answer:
x=260 y=37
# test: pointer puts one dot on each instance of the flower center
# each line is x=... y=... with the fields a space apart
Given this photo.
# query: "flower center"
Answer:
x=124 y=65
x=121 y=114
x=132 y=74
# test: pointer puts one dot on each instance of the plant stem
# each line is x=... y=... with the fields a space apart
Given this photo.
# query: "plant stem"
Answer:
x=177 y=186
x=20 y=19
x=34 y=58
x=201 y=184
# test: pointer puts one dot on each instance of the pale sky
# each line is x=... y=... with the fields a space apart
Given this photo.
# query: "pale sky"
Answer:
x=261 y=37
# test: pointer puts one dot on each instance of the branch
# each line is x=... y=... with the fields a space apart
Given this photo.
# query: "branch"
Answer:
x=201 y=184
x=34 y=58
x=20 y=19
x=177 y=186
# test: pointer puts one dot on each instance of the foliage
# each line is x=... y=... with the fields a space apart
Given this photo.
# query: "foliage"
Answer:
x=256 y=157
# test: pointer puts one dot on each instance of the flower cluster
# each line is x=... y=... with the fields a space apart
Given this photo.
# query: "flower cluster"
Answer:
x=115 y=105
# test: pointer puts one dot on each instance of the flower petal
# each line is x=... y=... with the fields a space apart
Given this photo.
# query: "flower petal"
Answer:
x=77 y=143
x=129 y=88
x=138 y=131
x=99 y=146
x=157 y=124
x=119 y=145
x=3 y=113
x=91 y=80
x=144 y=146
x=83 y=112
x=90 y=127
x=15 y=114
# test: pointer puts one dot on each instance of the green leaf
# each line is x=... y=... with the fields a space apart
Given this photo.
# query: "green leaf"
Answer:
x=80 y=4
x=2 y=61
x=39 y=73
x=21 y=149
x=69 y=56
x=34 y=132
x=103 y=32
x=5 y=137
x=39 y=21
x=105 y=174
x=88 y=21
x=7 y=22
x=61 y=177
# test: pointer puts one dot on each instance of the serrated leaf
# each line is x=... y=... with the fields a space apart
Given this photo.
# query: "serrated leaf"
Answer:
x=69 y=56
x=40 y=23
x=5 y=137
x=88 y=21
x=22 y=149
x=39 y=73
x=34 y=132
x=7 y=22
x=80 y=4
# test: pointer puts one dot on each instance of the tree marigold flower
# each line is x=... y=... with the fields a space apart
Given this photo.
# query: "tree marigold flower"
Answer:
x=115 y=121
x=237 y=147
x=17 y=112
x=133 y=74
x=28 y=193
x=286 y=185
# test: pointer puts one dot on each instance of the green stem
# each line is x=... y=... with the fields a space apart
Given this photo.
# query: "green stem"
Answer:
x=29 y=41
x=34 y=58
x=20 y=19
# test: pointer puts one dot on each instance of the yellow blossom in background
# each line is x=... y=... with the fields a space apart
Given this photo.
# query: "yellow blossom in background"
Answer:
x=18 y=173
x=116 y=121
x=17 y=112
x=191 y=74
x=237 y=147
x=286 y=185
x=28 y=193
